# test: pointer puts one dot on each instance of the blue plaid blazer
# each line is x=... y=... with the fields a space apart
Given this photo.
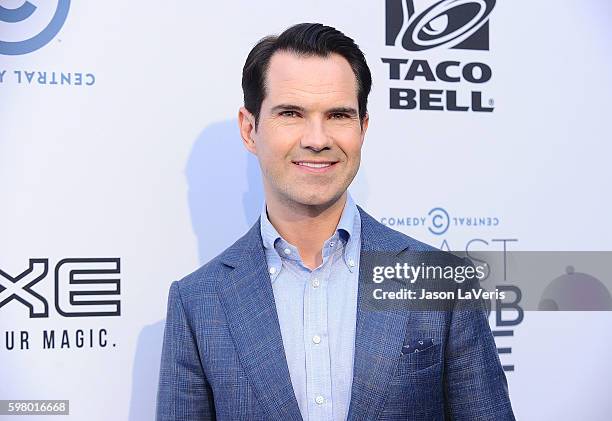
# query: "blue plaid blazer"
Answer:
x=223 y=356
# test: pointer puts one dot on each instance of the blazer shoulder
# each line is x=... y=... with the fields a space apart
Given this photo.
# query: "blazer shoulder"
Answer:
x=206 y=276
x=203 y=277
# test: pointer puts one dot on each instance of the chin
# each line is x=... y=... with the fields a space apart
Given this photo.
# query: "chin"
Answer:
x=317 y=198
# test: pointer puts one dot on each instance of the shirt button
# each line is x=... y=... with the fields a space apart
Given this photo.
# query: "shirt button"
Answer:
x=320 y=400
x=316 y=339
x=331 y=244
x=287 y=251
x=272 y=270
x=351 y=262
x=316 y=283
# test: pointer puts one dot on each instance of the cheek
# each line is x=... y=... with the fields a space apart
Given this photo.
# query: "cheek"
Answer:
x=274 y=148
x=350 y=144
x=287 y=129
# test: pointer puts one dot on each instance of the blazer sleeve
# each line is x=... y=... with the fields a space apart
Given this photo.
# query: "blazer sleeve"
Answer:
x=183 y=391
x=475 y=383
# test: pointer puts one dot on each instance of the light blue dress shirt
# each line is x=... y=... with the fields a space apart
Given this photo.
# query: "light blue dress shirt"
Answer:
x=317 y=312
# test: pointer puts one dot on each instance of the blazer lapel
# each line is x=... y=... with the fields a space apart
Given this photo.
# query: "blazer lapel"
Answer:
x=248 y=301
x=379 y=333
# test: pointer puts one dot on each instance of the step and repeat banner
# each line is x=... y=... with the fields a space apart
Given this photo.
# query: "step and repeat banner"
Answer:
x=122 y=170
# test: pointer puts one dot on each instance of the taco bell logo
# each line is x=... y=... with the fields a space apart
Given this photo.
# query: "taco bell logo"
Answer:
x=27 y=26
x=445 y=82
x=419 y=25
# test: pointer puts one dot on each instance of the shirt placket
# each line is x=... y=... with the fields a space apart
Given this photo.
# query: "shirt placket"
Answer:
x=316 y=345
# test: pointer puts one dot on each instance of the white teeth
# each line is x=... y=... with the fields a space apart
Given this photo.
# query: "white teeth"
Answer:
x=313 y=165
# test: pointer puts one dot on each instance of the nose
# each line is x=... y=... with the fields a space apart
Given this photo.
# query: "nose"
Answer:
x=315 y=136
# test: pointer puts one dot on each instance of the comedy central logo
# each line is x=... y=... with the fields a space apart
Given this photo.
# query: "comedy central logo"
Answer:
x=28 y=26
x=438 y=221
x=460 y=24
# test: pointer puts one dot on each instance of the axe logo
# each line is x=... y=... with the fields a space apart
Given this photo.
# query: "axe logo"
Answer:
x=83 y=287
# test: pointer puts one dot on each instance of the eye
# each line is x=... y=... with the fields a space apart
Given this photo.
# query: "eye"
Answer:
x=339 y=116
x=288 y=113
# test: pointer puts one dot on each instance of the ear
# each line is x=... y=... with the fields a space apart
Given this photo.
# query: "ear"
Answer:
x=246 y=123
x=364 y=126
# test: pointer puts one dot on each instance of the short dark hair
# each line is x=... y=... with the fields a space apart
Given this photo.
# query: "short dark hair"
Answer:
x=309 y=39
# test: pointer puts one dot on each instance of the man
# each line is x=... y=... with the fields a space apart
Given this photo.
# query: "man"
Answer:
x=277 y=327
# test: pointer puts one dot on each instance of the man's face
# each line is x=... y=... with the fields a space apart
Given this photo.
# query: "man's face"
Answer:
x=309 y=137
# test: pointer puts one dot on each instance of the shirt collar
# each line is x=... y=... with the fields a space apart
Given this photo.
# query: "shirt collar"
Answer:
x=350 y=224
x=348 y=230
x=347 y=219
x=269 y=235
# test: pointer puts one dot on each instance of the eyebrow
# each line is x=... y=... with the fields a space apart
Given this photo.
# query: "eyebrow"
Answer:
x=290 y=107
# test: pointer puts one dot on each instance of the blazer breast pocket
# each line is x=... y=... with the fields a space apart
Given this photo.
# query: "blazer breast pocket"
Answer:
x=411 y=361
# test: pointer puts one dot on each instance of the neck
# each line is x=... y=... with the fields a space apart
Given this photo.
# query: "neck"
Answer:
x=305 y=226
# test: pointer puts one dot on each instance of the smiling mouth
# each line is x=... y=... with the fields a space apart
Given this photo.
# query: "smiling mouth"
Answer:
x=315 y=166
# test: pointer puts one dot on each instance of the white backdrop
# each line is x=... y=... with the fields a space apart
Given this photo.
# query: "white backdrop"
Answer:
x=145 y=165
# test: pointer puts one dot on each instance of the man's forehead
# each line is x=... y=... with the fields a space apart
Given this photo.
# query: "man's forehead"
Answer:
x=292 y=76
